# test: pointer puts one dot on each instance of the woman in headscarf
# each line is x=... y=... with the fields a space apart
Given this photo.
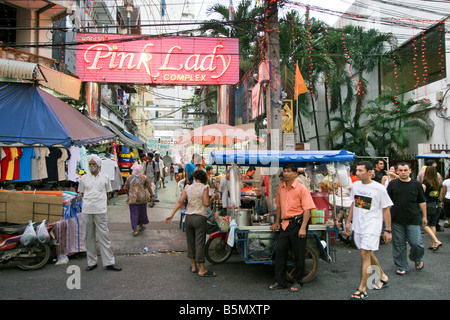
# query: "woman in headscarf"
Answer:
x=137 y=186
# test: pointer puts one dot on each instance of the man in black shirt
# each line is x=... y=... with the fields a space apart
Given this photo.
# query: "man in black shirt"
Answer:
x=379 y=170
x=408 y=214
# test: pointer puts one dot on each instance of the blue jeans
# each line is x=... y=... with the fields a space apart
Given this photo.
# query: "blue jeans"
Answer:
x=156 y=188
x=402 y=234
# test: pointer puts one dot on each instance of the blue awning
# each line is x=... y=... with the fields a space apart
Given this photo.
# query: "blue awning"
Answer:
x=29 y=116
x=267 y=158
x=129 y=135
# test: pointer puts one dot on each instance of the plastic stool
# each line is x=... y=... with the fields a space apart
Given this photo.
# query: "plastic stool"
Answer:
x=182 y=224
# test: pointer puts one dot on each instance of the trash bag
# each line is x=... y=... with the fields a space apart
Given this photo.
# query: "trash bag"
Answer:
x=29 y=236
x=42 y=233
x=62 y=259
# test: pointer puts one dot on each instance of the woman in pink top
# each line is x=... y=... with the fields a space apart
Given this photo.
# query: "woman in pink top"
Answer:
x=198 y=198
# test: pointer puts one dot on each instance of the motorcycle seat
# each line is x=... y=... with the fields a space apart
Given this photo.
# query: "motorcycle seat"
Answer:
x=14 y=229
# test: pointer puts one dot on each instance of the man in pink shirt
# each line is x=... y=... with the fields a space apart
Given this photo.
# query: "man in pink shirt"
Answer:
x=294 y=204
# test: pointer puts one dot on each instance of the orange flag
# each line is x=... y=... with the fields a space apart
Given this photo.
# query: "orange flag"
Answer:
x=300 y=85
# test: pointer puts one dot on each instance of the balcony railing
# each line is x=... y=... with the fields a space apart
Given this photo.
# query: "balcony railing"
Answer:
x=20 y=55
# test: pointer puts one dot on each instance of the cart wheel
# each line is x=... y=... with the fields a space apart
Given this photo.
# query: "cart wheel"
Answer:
x=217 y=250
x=311 y=265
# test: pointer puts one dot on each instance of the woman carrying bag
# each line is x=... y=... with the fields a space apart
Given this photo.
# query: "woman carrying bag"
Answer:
x=137 y=186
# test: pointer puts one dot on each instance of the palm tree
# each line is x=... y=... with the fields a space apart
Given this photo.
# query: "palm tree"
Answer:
x=390 y=120
x=364 y=51
x=244 y=26
x=356 y=138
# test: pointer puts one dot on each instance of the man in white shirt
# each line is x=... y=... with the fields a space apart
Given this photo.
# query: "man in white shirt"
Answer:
x=370 y=205
x=94 y=187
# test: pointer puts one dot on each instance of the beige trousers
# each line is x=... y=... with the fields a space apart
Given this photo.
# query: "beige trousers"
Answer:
x=95 y=225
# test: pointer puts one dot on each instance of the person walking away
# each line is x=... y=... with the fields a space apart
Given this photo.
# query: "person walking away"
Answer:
x=164 y=178
x=149 y=170
x=196 y=223
x=408 y=213
x=445 y=199
x=175 y=169
x=420 y=177
x=428 y=163
x=159 y=167
x=191 y=167
x=137 y=186
x=294 y=204
x=94 y=188
x=370 y=206
x=432 y=188
x=172 y=171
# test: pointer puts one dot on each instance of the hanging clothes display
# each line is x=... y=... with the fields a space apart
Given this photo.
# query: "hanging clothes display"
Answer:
x=42 y=163
x=126 y=160
x=52 y=164
x=24 y=172
x=72 y=164
x=61 y=164
x=16 y=170
x=10 y=163
x=5 y=161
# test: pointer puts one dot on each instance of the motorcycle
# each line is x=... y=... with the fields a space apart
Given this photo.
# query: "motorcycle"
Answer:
x=32 y=256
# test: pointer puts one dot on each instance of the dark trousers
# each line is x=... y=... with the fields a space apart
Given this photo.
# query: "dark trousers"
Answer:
x=289 y=239
x=196 y=226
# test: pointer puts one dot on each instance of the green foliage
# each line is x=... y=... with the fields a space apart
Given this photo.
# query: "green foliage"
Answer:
x=337 y=60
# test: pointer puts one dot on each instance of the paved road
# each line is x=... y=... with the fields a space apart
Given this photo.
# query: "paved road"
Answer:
x=163 y=274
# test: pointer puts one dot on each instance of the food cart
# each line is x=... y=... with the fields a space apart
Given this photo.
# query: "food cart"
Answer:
x=252 y=237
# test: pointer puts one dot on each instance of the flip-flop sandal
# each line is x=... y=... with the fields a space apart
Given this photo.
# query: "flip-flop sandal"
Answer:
x=418 y=267
x=400 y=272
x=142 y=228
x=190 y=269
x=295 y=287
x=135 y=234
x=384 y=285
x=276 y=286
x=436 y=248
x=359 y=295
x=207 y=274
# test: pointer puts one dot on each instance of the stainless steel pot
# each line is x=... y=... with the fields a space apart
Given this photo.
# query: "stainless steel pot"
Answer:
x=243 y=217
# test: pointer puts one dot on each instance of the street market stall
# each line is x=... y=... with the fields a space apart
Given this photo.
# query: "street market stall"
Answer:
x=39 y=136
x=252 y=236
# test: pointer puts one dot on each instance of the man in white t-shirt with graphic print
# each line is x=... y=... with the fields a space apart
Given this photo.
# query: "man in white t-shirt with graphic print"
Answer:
x=370 y=206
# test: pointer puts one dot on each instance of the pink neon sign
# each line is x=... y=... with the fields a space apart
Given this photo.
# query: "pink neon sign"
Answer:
x=169 y=60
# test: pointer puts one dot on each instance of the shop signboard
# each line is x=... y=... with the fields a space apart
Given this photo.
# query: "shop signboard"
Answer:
x=115 y=58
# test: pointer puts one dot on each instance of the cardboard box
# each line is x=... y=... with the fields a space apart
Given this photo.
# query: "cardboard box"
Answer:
x=17 y=207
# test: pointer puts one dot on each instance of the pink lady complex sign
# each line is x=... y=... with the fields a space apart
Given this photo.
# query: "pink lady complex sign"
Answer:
x=169 y=60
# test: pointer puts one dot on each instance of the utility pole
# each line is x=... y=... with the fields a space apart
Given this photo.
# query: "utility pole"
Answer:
x=273 y=98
